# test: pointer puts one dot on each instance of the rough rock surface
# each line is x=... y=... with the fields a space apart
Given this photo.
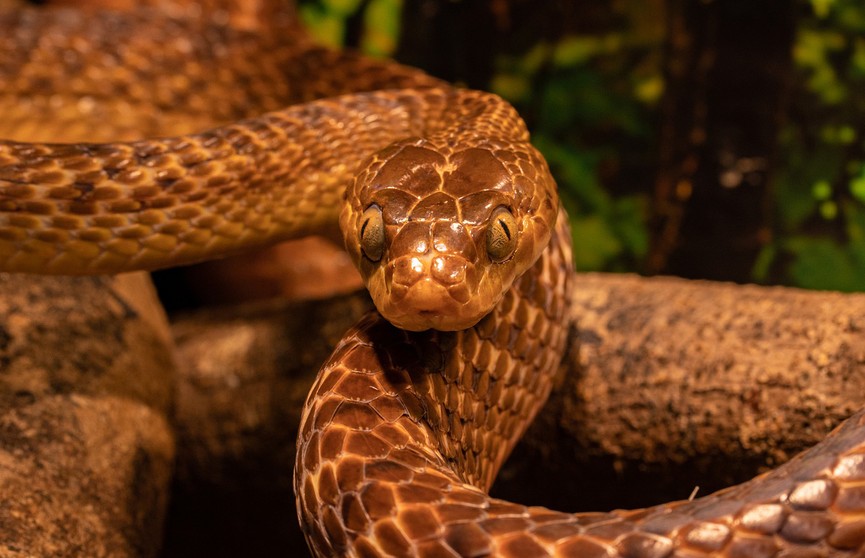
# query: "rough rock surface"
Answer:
x=86 y=383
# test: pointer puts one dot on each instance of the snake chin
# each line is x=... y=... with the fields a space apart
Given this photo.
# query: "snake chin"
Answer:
x=427 y=305
x=426 y=320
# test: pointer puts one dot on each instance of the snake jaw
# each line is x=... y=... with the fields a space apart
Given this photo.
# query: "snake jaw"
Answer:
x=424 y=305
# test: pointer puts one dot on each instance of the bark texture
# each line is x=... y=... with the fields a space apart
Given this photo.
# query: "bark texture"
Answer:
x=86 y=450
x=676 y=384
x=684 y=384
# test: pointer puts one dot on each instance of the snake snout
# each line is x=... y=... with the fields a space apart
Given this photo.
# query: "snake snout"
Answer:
x=448 y=273
x=426 y=304
x=428 y=297
x=429 y=291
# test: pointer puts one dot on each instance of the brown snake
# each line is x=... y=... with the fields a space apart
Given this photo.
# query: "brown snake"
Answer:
x=452 y=218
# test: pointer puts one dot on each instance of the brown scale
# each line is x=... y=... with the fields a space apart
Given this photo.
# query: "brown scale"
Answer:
x=403 y=432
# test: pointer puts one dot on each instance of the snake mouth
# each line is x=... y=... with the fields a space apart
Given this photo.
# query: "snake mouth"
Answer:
x=424 y=305
x=426 y=320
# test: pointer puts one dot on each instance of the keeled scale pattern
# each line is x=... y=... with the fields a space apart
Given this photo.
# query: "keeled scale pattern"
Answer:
x=403 y=433
x=68 y=75
x=94 y=208
x=437 y=194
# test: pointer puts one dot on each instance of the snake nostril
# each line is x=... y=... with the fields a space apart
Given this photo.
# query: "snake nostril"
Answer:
x=448 y=271
x=408 y=270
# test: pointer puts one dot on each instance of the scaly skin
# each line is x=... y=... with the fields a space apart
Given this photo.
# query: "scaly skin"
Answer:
x=403 y=432
x=107 y=208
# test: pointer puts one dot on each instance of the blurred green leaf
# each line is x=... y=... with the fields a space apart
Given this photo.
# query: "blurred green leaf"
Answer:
x=342 y=8
x=854 y=214
x=843 y=134
x=822 y=264
x=857 y=187
x=324 y=27
x=763 y=263
x=822 y=190
x=829 y=210
x=515 y=88
x=811 y=51
x=630 y=215
x=577 y=173
x=857 y=62
x=822 y=7
x=650 y=89
x=575 y=50
x=848 y=15
x=594 y=242
x=533 y=60
x=808 y=170
x=381 y=27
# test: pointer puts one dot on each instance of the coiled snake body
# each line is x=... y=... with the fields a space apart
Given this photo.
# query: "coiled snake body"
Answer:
x=452 y=219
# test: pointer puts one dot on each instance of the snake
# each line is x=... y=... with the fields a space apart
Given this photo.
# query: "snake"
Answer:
x=139 y=139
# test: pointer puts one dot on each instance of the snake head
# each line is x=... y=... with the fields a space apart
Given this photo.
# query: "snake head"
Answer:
x=440 y=232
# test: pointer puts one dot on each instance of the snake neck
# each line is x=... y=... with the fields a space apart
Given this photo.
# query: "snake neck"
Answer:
x=397 y=416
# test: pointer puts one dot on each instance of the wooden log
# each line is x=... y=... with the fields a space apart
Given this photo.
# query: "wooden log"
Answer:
x=680 y=384
x=676 y=384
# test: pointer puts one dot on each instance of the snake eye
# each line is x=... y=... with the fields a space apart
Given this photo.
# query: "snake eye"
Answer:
x=372 y=233
x=501 y=235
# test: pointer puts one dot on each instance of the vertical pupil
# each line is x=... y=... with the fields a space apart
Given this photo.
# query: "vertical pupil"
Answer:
x=505 y=228
x=363 y=227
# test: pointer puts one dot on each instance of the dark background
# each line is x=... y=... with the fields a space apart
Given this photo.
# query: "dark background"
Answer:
x=705 y=139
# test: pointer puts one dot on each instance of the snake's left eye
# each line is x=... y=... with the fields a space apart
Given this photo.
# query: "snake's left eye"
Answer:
x=372 y=233
x=501 y=235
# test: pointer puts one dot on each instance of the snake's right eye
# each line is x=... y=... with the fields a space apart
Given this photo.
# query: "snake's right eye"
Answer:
x=372 y=233
x=501 y=235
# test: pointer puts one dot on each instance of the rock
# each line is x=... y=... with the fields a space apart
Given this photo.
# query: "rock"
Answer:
x=86 y=385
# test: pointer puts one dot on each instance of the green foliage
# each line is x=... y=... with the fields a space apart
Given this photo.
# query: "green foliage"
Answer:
x=590 y=101
x=820 y=185
x=326 y=20
x=822 y=7
x=324 y=23
x=857 y=185
x=606 y=230
x=382 y=19
x=822 y=263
